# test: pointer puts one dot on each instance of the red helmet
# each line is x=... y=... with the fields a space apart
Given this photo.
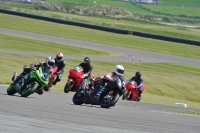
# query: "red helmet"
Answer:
x=59 y=56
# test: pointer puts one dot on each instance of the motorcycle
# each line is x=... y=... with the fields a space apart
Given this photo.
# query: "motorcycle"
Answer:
x=131 y=91
x=75 y=79
x=52 y=78
x=106 y=94
x=30 y=83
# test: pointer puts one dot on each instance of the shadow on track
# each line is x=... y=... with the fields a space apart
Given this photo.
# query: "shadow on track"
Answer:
x=90 y=105
x=87 y=105
x=16 y=96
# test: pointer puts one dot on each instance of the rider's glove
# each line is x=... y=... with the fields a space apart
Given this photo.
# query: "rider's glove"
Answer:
x=85 y=75
x=109 y=79
x=33 y=67
x=138 y=88
x=58 y=73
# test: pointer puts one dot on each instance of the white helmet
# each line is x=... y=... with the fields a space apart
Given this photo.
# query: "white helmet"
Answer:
x=119 y=69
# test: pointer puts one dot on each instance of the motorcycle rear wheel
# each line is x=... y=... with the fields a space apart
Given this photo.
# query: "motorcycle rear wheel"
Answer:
x=78 y=97
x=69 y=85
x=107 y=104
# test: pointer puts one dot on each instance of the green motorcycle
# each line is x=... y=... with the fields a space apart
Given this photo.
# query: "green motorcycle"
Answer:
x=30 y=83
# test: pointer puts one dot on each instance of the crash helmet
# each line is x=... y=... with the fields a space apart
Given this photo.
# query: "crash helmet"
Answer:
x=138 y=75
x=119 y=70
x=59 y=56
x=50 y=61
x=87 y=60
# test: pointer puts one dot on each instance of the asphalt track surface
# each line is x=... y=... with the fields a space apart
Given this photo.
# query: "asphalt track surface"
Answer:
x=147 y=57
x=55 y=112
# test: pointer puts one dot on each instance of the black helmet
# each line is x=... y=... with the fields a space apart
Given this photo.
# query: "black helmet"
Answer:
x=87 y=60
x=138 y=74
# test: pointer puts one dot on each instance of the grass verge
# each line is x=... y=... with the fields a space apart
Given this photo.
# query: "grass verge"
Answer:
x=186 y=112
x=42 y=27
x=129 y=24
x=30 y=45
x=165 y=83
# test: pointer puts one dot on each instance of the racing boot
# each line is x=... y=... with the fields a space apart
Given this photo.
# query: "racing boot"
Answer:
x=40 y=92
x=139 y=96
x=47 y=88
x=54 y=82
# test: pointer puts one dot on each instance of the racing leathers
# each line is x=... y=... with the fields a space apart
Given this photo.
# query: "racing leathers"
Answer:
x=108 y=78
x=87 y=70
x=139 y=82
x=60 y=71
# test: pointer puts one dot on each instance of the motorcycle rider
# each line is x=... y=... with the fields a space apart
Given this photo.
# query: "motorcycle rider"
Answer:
x=137 y=78
x=50 y=62
x=87 y=70
x=60 y=63
x=118 y=71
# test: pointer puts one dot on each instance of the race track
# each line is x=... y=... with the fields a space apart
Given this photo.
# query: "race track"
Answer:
x=147 y=57
x=55 y=112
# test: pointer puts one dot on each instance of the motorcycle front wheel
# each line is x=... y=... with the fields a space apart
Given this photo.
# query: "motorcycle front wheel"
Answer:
x=28 y=91
x=68 y=86
x=109 y=99
x=11 y=90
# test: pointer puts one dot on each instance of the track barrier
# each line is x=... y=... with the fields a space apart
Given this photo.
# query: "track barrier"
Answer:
x=103 y=28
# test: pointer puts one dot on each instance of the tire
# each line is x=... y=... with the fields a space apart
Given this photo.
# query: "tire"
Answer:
x=138 y=99
x=78 y=98
x=11 y=90
x=124 y=96
x=28 y=91
x=112 y=102
x=69 y=85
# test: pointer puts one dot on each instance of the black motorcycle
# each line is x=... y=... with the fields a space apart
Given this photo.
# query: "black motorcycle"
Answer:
x=106 y=94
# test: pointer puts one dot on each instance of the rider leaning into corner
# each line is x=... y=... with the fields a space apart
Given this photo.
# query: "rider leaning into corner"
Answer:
x=118 y=71
x=87 y=69
x=60 y=63
x=50 y=62
x=137 y=78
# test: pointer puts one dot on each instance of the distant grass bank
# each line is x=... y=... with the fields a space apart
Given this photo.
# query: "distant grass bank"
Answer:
x=31 y=45
x=180 y=2
x=128 y=24
x=42 y=27
x=165 y=83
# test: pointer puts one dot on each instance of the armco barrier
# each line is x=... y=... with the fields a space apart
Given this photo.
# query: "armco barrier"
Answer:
x=108 y=29
x=61 y=21
x=166 y=38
